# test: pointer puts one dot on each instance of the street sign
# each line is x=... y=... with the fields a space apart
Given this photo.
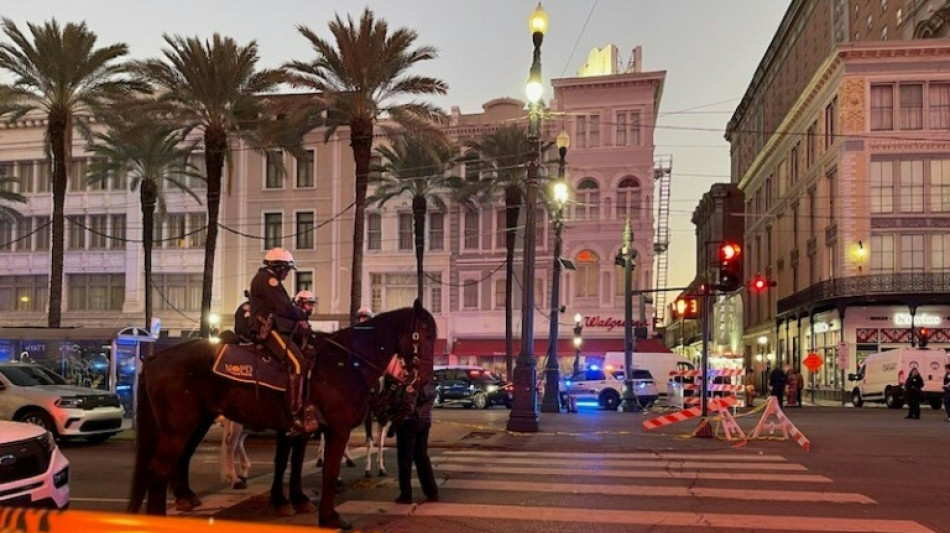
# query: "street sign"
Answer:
x=813 y=362
x=842 y=355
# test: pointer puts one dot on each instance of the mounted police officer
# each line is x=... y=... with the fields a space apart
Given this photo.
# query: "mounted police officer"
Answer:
x=242 y=320
x=275 y=319
x=364 y=314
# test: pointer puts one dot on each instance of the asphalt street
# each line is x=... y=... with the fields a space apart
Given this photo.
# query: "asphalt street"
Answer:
x=868 y=469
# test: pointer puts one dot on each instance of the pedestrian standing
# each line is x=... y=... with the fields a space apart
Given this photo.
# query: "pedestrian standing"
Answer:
x=750 y=388
x=412 y=447
x=912 y=390
x=791 y=383
x=946 y=390
x=777 y=383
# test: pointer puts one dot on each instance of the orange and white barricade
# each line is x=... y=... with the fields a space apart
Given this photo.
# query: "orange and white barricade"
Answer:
x=686 y=414
x=774 y=417
x=691 y=391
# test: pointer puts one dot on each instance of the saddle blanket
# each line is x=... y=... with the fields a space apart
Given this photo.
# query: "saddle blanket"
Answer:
x=248 y=364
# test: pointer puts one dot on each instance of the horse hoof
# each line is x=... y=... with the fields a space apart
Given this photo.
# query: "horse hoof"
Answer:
x=285 y=509
x=239 y=485
x=339 y=483
x=195 y=500
x=382 y=473
x=184 y=505
x=350 y=463
x=367 y=475
x=306 y=507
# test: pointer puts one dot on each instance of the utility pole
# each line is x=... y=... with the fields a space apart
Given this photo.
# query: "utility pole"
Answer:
x=629 y=403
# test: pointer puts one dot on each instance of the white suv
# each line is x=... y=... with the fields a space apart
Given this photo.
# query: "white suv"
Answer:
x=606 y=388
x=33 y=471
x=32 y=393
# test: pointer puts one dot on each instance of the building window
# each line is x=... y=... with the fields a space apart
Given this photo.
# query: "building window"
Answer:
x=23 y=293
x=394 y=290
x=77 y=233
x=470 y=295
x=42 y=235
x=499 y=294
x=198 y=164
x=795 y=226
x=832 y=193
x=435 y=293
x=882 y=107
x=912 y=106
x=870 y=22
x=177 y=292
x=374 y=231
x=831 y=122
x=811 y=145
x=305 y=167
x=304 y=233
x=628 y=199
x=588 y=274
x=883 y=5
x=98 y=232
x=273 y=230
x=912 y=253
x=588 y=200
x=912 y=186
x=176 y=231
x=436 y=231
x=882 y=186
x=44 y=175
x=274 y=177
x=405 y=231
x=621 y=136
x=471 y=229
x=197 y=230
x=6 y=235
x=500 y=227
x=793 y=163
x=940 y=185
x=940 y=252
x=303 y=281
x=26 y=177
x=77 y=175
x=594 y=139
x=580 y=135
x=884 y=33
x=939 y=106
x=98 y=292
x=882 y=254
x=24 y=234
x=812 y=207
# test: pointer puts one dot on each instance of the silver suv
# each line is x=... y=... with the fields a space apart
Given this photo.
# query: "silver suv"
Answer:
x=32 y=393
x=606 y=388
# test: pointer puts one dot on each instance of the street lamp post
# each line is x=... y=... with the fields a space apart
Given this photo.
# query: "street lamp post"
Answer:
x=550 y=403
x=578 y=328
x=524 y=409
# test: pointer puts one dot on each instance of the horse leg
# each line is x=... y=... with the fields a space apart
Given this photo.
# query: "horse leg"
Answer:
x=370 y=446
x=382 y=447
x=226 y=453
x=320 y=450
x=302 y=504
x=185 y=498
x=348 y=458
x=277 y=499
x=245 y=462
x=337 y=439
x=167 y=458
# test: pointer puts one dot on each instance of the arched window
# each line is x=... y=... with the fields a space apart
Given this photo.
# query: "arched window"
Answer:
x=588 y=273
x=588 y=200
x=628 y=199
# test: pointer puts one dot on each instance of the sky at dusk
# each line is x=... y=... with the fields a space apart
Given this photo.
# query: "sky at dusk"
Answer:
x=708 y=48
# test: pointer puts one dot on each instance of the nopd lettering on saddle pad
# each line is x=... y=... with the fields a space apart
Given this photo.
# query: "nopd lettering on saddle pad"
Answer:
x=247 y=364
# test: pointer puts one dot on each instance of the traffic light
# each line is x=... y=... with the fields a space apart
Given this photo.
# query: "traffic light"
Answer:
x=730 y=267
x=760 y=283
x=686 y=307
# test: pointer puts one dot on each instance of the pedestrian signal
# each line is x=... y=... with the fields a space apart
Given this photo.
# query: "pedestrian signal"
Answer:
x=686 y=307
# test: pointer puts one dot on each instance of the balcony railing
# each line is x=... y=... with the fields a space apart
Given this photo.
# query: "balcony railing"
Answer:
x=905 y=284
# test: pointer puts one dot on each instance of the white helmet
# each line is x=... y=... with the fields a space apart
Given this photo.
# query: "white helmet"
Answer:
x=364 y=311
x=305 y=297
x=279 y=258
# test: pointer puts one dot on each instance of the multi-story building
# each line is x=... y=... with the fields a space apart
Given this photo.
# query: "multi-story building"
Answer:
x=840 y=148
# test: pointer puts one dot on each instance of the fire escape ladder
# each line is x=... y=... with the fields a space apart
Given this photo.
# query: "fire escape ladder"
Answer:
x=662 y=167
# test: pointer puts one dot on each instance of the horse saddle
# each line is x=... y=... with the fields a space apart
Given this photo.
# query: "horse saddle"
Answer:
x=250 y=363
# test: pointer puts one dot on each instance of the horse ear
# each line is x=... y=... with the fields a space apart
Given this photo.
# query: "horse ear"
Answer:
x=417 y=306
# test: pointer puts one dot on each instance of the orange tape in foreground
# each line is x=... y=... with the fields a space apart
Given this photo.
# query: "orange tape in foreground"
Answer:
x=17 y=520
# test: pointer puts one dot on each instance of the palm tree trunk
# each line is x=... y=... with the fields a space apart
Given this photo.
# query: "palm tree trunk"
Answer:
x=418 y=228
x=512 y=210
x=56 y=132
x=361 y=140
x=147 y=195
x=216 y=143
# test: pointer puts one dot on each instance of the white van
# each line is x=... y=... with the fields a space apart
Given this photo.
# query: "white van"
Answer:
x=659 y=364
x=881 y=377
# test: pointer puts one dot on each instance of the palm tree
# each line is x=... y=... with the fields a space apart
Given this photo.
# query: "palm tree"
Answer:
x=152 y=154
x=365 y=75
x=503 y=155
x=212 y=86
x=59 y=72
x=416 y=166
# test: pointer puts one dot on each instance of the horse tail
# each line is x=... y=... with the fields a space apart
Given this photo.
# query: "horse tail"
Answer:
x=145 y=444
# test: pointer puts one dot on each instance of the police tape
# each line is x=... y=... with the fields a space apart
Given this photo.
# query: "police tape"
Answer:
x=19 y=520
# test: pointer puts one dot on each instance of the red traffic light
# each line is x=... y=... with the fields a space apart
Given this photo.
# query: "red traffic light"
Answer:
x=760 y=283
x=729 y=251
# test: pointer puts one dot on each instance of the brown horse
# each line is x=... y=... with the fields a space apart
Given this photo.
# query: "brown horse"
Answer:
x=179 y=397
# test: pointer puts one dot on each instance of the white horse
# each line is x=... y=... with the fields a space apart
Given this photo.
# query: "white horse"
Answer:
x=235 y=464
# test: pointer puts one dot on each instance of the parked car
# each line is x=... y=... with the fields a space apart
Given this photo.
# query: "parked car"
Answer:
x=469 y=386
x=606 y=388
x=33 y=470
x=34 y=394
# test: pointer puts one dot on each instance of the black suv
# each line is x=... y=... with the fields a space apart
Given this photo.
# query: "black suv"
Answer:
x=469 y=386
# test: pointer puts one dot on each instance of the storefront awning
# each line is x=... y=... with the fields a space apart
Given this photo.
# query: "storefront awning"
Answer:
x=594 y=346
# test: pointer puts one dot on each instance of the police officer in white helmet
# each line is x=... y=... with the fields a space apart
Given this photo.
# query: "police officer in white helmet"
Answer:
x=364 y=314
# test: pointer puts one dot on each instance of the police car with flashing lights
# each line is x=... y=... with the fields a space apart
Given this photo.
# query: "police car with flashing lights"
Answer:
x=33 y=470
x=604 y=387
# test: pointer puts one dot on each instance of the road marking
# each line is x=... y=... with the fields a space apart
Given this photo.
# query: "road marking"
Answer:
x=621 y=455
x=656 y=491
x=602 y=463
x=639 y=517
x=652 y=474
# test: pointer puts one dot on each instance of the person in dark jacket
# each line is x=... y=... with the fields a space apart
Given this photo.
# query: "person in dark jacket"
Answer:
x=275 y=319
x=242 y=320
x=777 y=381
x=946 y=390
x=912 y=391
x=412 y=446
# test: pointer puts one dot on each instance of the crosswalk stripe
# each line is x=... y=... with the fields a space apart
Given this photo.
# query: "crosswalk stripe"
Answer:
x=638 y=517
x=602 y=463
x=652 y=474
x=656 y=491
x=622 y=455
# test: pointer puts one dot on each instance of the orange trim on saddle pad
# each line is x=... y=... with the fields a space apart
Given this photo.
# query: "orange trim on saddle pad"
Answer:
x=238 y=372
